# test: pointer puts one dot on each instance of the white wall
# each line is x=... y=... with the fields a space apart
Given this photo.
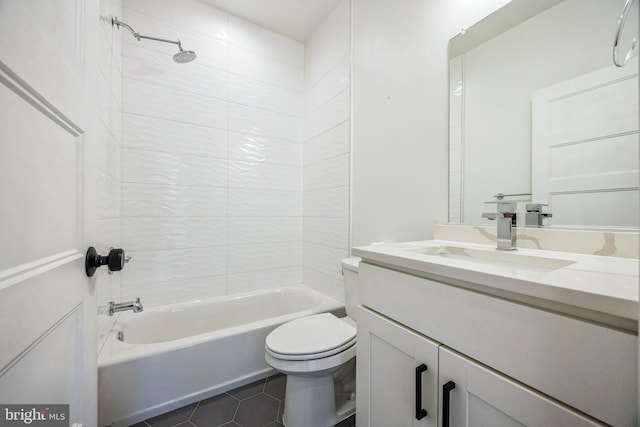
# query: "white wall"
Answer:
x=212 y=157
x=108 y=146
x=326 y=152
x=400 y=121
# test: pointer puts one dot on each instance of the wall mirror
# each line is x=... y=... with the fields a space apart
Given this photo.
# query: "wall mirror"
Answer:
x=538 y=108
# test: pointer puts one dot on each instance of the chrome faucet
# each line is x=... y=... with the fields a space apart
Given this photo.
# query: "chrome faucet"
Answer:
x=135 y=306
x=506 y=218
x=536 y=215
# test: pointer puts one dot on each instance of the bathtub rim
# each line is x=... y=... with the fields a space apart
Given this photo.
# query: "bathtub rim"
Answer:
x=115 y=351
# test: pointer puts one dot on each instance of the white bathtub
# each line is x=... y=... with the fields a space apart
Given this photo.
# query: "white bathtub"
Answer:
x=178 y=354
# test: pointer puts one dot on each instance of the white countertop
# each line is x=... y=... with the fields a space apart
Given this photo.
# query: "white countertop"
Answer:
x=601 y=284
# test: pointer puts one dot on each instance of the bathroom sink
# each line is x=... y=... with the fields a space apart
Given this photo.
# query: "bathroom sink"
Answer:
x=495 y=257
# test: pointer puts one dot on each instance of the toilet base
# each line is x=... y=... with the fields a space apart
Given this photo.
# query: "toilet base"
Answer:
x=310 y=402
x=320 y=401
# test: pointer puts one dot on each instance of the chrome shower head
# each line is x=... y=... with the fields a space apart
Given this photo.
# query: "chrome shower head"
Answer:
x=184 y=56
x=181 y=57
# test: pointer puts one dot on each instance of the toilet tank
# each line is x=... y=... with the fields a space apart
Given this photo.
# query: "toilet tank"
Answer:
x=350 y=277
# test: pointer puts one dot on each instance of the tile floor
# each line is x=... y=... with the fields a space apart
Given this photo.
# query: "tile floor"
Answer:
x=259 y=404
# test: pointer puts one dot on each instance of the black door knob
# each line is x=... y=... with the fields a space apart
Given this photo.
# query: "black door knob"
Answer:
x=114 y=261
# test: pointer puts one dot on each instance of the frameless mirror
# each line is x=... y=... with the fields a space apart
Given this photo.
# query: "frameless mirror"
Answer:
x=538 y=108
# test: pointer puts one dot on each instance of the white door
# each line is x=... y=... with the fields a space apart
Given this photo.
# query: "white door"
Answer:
x=480 y=397
x=585 y=148
x=47 y=309
x=392 y=362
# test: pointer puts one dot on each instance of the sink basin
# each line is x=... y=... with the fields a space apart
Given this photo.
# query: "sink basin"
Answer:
x=496 y=257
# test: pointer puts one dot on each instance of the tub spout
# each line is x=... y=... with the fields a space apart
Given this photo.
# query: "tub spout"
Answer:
x=135 y=306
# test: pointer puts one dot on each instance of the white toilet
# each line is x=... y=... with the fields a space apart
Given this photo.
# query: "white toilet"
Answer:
x=317 y=353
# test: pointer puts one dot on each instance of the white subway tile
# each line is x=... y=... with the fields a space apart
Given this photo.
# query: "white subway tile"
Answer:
x=265 y=42
x=145 y=65
x=259 y=257
x=191 y=15
x=263 y=203
x=154 y=101
x=258 y=175
x=254 y=121
x=327 y=88
x=153 y=233
x=251 y=230
x=254 y=93
x=268 y=150
x=144 y=200
x=166 y=135
x=175 y=291
x=265 y=279
x=332 y=203
x=327 y=116
x=323 y=57
x=109 y=234
x=327 y=173
x=327 y=145
x=257 y=67
x=156 y=167
x=332 y=232
x=323 y=283
x=180 y=202
x=174 y=264
x=325 y=259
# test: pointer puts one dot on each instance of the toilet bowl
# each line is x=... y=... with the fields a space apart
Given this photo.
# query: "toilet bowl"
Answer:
x=317 y=353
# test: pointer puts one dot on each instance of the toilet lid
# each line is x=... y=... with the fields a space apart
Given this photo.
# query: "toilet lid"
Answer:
x=320 y=333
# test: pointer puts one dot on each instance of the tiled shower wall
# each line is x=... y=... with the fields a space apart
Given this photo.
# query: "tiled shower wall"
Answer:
x=212 y=155
x=326 y=152
x=108 y=151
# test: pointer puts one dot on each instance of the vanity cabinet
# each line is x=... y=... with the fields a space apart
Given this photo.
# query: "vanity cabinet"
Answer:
x=512 y=363
x=479 y=396
x=392 y=362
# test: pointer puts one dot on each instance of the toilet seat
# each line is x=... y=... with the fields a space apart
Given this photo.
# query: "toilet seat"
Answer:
x=309 y=338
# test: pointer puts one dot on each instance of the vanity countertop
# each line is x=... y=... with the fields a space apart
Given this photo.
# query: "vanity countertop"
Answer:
x=599 y=288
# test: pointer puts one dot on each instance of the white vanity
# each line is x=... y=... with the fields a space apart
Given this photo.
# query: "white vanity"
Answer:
x=456 y=334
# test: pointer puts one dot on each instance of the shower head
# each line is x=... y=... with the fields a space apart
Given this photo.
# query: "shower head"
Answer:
x=184 y=56
x=181 y=57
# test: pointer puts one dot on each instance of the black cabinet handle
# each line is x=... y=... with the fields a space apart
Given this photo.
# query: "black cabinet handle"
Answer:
x=445 y=402
x=420 y=412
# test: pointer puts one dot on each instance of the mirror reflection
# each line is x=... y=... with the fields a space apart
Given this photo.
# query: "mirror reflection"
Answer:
x=538 y=108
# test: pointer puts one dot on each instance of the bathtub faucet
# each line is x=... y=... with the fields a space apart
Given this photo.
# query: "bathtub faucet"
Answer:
x=135 y=306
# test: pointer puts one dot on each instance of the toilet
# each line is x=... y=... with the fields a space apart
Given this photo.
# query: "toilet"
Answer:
x=317 y=354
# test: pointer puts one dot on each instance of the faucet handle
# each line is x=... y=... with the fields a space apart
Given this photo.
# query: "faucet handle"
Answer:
x=507 y=207
x=492 y=216
x=501 y=196
x=536 y=214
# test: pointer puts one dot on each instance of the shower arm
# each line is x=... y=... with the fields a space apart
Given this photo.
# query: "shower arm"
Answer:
x=118 y=23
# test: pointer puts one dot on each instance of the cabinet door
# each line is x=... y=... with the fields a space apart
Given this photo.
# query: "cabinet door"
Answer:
x=393 y=386
x=483 y=398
